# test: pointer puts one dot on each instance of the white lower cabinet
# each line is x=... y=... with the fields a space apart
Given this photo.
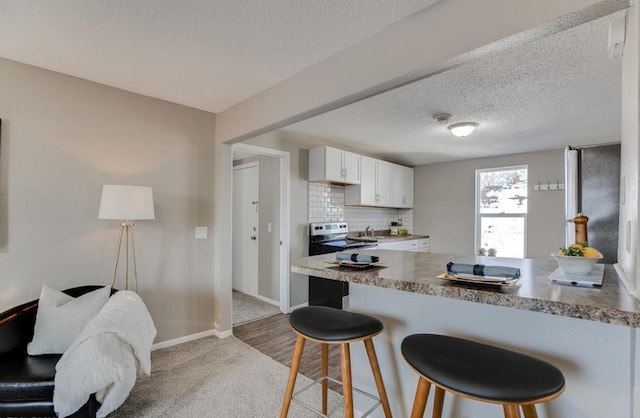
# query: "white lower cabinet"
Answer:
x=404 y=245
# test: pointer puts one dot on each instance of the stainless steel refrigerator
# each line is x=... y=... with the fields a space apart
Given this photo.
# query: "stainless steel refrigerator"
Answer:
x=592 y=186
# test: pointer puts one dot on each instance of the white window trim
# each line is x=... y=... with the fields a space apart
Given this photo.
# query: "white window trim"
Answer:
x=480 y=215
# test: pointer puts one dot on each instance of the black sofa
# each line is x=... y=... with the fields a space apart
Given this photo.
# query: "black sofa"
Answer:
x=26 y=382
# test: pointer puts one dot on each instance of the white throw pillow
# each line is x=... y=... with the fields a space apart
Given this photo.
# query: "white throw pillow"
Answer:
x=61 y=318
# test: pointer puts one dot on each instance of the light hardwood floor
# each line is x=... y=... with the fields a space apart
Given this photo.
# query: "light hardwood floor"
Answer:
x=274 y=337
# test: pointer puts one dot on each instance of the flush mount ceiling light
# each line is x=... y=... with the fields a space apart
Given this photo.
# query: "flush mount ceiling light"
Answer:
x=463 y=128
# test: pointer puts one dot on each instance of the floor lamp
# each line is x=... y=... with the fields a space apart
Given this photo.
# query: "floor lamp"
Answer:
x=126 y=204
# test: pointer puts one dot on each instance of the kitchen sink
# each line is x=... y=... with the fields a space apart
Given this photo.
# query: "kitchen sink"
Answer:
x=378 y=238
x=364 y=239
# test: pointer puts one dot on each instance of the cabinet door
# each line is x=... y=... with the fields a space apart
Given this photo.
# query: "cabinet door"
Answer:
x=403 y=245
x=351 y=167
x=397 y=186
x=407 y=188
x=401 y=186
x=383 y=183
x=368 y=181
x=333 y=164
x=394 y=245
x=424 y=245
x=413 y=245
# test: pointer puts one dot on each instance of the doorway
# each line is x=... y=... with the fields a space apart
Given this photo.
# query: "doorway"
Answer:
x=260 y=222
x=246 y=220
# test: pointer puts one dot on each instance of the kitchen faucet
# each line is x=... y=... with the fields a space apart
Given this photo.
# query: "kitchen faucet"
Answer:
x=366 y=231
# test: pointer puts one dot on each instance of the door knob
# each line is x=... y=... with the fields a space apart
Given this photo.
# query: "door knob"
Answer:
x=253 y=237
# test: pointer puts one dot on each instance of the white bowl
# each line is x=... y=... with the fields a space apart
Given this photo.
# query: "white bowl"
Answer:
x=577 y=265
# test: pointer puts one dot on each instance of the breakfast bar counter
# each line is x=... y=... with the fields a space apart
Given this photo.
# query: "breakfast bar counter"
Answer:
x=591 y=334
x=418 y=273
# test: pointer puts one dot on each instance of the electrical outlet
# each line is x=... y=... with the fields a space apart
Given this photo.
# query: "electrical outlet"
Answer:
x=269 y=227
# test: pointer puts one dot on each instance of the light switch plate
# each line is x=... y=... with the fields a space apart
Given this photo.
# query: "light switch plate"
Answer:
x=202 y=232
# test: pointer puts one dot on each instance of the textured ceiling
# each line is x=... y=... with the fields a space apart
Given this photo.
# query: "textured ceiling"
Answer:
x=544 y=95
x=207 y=54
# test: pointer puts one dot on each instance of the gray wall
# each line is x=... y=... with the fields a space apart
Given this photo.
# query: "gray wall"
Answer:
x=269 y=242
x=445 y=202
x=62 y=139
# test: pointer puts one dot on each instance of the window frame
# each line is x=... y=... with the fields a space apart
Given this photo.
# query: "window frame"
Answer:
x=479 y=215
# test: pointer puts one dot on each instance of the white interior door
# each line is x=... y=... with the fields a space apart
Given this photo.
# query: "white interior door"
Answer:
x=246 y=179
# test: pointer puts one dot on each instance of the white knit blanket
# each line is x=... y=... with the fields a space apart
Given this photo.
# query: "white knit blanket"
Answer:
x=106 y=357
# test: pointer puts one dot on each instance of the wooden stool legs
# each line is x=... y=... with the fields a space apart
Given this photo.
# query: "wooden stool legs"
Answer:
x=295 y=365
x=325 y=372
x=347 y=385
x=347 y=389
x=511 y=411
x=529 y=411
x=377 y=376
x=422 y=395
x=438 y=403
x=420 y=401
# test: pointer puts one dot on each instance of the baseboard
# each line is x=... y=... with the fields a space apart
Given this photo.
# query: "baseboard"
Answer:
x=269 y=301
x=302 y=305
x=192 y=337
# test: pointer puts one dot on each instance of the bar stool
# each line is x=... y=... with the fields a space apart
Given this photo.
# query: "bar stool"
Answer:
x=481 y=372
x=334 y=326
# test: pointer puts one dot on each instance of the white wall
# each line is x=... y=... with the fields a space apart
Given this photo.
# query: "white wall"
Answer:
x=62 y=139
x=445 y=202
x=597 y=359
x=629 y=186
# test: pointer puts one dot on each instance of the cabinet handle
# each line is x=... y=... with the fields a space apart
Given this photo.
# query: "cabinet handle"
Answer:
x=346 y=173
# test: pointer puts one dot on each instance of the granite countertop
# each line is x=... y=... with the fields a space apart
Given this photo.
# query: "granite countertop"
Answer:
x=417 y=272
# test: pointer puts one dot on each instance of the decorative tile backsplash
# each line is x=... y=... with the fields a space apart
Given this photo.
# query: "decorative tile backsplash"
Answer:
x=326 y=204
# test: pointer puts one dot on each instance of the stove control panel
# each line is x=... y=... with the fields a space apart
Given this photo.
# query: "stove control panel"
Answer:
x=328 y=228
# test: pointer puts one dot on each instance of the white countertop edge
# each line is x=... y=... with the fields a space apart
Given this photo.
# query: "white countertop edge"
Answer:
x=628 y=284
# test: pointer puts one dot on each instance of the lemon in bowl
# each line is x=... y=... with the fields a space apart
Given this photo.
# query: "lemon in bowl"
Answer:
x=580 y=260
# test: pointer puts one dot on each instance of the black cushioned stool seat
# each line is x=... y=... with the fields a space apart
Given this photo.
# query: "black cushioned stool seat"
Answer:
x=335 y=326
x=330 y=324
x=480 y=372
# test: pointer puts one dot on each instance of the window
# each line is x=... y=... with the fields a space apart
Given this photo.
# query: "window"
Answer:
x=501 y=211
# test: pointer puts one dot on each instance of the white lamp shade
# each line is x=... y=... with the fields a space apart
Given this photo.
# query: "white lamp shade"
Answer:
x=126 y=203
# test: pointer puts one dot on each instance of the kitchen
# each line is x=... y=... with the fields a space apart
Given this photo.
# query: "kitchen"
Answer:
x=444 y=209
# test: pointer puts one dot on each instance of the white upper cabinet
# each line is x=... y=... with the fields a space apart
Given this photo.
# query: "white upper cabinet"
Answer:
x=334 y=165
x=382 y=184
x=402 y=186
x=365 y=194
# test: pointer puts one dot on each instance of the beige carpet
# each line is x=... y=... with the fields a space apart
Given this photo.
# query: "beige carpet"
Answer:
x=217 y=378
x=247 y=308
